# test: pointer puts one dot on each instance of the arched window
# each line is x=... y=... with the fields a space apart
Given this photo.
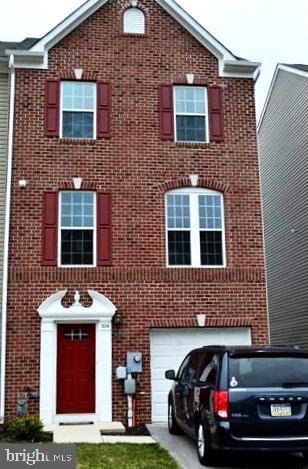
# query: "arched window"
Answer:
x=134 y=21
x=195 y=228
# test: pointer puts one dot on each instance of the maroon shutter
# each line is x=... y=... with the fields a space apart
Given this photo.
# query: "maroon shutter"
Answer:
x=104 y=94
x=50 y=228
x=104 y=229
x=52 y=108
x=166 y=112
x=215 y=114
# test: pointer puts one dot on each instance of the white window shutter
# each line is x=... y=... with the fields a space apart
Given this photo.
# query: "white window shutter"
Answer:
x=134 y=21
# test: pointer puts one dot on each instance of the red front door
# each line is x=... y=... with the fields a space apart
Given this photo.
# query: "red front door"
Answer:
x=76 y=369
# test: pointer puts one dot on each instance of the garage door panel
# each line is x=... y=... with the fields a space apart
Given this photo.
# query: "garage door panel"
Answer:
x=165 y=352
x=169 y=348
x=164 y=362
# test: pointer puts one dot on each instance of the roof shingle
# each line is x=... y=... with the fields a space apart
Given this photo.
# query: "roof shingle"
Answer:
x=23 y=45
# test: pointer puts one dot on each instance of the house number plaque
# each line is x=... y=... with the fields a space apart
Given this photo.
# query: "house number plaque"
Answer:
x=105 y=325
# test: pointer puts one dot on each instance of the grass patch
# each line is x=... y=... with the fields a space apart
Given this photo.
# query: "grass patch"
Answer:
x=123 y=456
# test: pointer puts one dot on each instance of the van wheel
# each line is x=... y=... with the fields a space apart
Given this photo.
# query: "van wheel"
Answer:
x=173 y=427
x=205 y=453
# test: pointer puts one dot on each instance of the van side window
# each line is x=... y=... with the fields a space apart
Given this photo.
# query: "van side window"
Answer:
x=209 y=372
x=182 y=368
x=191 y=368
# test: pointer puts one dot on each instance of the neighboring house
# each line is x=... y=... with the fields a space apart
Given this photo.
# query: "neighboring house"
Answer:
x=135 y=184
x=283 y=147
x=4 y=123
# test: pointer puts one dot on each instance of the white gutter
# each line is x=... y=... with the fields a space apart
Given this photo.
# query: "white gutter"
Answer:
x=6 y=238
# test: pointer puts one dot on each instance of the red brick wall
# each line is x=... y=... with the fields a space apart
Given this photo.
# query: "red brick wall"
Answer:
x=137 y=167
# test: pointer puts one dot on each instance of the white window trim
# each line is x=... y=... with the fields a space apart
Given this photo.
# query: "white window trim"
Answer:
x=65 y=266
x=94 y=111
x=206 y=115
x=195 y=229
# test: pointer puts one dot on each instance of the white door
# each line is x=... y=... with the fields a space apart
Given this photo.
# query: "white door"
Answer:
x=169 y=348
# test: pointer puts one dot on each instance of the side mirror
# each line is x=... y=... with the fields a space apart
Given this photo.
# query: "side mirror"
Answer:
x=170 y=374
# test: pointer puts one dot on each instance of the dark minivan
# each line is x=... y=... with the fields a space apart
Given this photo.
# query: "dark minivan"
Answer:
x=241 y=398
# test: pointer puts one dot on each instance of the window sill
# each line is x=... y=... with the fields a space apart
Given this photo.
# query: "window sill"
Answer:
x=135 y=35
x=78 y=141
x=192 y=144
x=76 y=266
x=195 y=267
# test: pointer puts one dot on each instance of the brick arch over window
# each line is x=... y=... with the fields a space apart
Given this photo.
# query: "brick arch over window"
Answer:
x=69 y=185
x=185 y=182
x=69 y=74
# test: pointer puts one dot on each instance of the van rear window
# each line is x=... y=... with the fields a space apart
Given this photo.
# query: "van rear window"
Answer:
x=268 y=372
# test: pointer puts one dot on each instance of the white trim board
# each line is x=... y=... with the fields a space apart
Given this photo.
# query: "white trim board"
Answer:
x=7 y=237
x=229 y=64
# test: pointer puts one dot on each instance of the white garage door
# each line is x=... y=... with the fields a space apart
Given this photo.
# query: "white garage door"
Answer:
x=169 y=348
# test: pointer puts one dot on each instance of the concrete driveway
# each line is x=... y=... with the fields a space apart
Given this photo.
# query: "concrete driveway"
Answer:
x=183 y=450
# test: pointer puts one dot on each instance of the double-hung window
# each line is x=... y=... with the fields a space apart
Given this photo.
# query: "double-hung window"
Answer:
x=78 y=110
x=195 y=228
x=191 y=114
x=77 y=229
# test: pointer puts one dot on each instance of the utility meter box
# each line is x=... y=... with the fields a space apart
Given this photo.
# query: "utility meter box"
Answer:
x=134 y=362
x=130 y=386
x=121 y=372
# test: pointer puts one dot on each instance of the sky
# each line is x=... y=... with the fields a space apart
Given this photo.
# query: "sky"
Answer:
x=266 y=31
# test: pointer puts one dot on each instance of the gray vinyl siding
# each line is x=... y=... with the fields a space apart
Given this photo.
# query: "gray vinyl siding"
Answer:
x=4 y=109
x=283 y=148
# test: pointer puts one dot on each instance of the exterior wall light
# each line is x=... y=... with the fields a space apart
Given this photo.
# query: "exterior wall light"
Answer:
x=22 y=183
x=117 y=319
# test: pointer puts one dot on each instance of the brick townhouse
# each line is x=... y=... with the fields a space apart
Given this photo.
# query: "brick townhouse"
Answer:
x=135 y=221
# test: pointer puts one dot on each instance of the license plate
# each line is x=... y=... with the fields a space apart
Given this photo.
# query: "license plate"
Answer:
x=281 y=410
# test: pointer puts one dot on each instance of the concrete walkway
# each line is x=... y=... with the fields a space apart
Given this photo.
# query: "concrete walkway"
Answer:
x=183 y=450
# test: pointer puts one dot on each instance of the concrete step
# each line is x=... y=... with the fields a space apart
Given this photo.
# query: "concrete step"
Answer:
x=112 y=427
x=76 y=434
x=88 y=433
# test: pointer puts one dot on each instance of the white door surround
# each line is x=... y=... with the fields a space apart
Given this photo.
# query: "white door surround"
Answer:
x=52 y=312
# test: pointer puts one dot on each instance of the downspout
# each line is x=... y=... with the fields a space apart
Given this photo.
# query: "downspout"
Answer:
x=269 y=341
x=6 y=238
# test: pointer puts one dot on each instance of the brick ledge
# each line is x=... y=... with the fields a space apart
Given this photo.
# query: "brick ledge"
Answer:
x=136 y=275
x=192 y=323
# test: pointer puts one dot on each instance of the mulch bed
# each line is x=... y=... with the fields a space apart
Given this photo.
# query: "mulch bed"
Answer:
x=139 y=430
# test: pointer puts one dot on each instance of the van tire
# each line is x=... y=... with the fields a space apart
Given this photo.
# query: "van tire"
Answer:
x=173 y=427
x=206 y=455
